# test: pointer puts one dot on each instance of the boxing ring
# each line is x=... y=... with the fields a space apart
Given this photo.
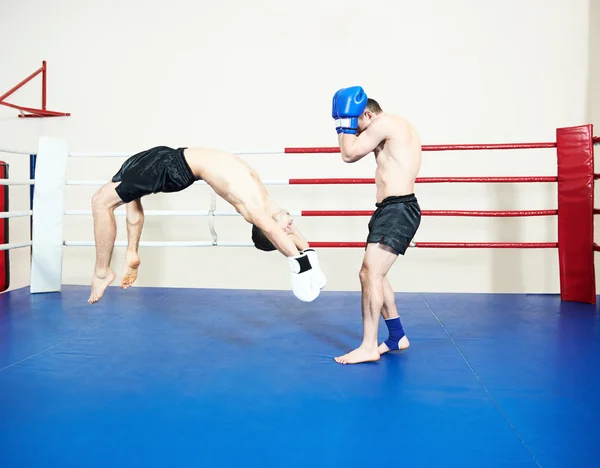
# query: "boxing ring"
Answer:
x=204 y=377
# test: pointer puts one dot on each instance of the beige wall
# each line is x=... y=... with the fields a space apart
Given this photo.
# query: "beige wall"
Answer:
x=593 y=102
x=241 y=74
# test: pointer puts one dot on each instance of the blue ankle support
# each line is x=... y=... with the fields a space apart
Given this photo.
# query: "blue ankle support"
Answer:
x=396 y=332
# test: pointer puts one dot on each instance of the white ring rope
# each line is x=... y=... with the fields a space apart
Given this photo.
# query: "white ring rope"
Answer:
x=14 y=214
x=86 y=182
x=15 y=245
x=210 y=213
x=114 y=154
x=162 y=244
x=16 y=182
x=12 y=151
x=119 y=212
x=198 y=182
x=126 y=154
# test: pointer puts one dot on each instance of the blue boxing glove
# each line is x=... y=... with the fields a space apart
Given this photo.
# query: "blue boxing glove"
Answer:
x=347 y=106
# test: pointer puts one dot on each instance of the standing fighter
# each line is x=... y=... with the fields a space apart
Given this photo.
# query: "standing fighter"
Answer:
x=363 y=128
x=164 y=169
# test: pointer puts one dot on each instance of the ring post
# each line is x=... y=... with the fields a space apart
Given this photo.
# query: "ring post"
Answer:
x=575 y=154
x=48 y=209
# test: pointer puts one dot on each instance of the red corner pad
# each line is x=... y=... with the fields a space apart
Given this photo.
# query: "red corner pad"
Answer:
x=575 y=154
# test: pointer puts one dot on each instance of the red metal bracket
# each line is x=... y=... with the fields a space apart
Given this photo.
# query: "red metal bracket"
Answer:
x=28 y=111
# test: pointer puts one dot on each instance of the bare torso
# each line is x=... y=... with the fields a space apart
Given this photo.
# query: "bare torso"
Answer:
x=398 y=158
x=232 y=179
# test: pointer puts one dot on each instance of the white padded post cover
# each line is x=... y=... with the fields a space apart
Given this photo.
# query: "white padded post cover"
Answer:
x=48 y=208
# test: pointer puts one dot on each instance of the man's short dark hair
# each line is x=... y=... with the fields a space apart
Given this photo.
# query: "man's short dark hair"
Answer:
x=261 y=241
x=373 y=106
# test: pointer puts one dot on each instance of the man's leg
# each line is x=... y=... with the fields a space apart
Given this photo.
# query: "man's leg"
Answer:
x=135 y=223
x=378 y=261
x=104 y=202
x=397 y=339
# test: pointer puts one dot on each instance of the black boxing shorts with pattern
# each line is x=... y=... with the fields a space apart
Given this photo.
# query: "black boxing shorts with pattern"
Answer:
x=395 y=222
x=158 y=169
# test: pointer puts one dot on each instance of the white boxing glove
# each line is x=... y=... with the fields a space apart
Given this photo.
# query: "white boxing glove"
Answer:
x=314 y=261
x=304 y=282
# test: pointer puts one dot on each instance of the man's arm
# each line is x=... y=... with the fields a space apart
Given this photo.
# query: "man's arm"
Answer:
x=307 y=277
x=282 y=242
x=354 y=148
x=299 y=240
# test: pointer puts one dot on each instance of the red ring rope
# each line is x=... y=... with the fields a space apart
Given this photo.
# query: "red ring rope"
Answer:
x=435 y=213
x=453 y=245
x=488 y=245
x=501 y=146
x=428 y=180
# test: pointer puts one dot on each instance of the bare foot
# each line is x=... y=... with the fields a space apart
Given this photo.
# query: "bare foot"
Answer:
x=99 y=285
x=132 y=262
x=360 y=354
x=402 y=344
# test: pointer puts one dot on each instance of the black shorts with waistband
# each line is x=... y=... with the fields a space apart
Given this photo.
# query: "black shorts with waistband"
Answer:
x=395 y=222
x=158 y=169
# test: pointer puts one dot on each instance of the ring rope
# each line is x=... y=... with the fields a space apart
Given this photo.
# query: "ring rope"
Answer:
x=457 y=245
x=312 y=213
x=353 y=181
x=430 y=180
x=461 y=147
x=15 y=214
x=156 y=244
x=513 y=213
x=16 y=245
x=125 y=154
x=16 y=182
x=12 y=151
x=119 y=212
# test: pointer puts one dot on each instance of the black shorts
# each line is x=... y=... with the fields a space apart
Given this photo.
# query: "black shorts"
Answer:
x=159 y=169
x=395 y=222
